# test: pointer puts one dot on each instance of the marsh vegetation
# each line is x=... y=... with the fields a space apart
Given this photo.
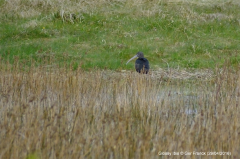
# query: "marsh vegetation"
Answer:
x=66 y=113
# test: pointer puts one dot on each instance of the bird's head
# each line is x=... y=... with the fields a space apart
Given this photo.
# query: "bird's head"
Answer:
x=139 y=55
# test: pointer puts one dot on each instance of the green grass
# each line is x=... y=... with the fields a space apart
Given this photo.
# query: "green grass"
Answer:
x=106 y=35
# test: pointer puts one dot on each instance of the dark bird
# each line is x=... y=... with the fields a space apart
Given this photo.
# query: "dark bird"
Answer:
x=141 y=64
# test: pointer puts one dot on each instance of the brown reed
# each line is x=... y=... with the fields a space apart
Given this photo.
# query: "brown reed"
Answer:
x=64 y=113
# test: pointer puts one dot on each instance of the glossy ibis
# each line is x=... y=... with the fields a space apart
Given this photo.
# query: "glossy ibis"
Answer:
x=141 y=64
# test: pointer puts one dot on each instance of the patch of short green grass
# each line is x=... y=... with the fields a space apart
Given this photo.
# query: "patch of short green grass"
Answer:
x=188 y=35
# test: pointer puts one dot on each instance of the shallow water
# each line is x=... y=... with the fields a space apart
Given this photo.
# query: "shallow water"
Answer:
x=187 y=97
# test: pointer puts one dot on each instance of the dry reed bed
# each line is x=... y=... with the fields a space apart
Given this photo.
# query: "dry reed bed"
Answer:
x=61 y=113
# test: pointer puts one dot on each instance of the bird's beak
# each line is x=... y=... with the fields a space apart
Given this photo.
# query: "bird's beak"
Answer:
x=131 y=59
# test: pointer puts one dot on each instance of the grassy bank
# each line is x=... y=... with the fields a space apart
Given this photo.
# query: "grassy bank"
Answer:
x=185 y=34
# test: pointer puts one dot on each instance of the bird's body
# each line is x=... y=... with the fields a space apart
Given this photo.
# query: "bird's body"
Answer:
x=141 y=64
